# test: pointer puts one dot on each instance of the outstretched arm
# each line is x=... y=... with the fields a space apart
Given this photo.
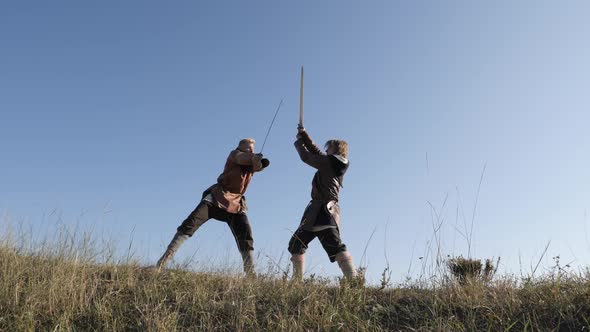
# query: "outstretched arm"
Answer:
x=250 y=159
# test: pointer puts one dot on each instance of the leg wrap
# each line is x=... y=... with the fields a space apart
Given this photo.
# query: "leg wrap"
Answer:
x=298 y=266
x=345 y=263
x=177 y=240
x=248 y=259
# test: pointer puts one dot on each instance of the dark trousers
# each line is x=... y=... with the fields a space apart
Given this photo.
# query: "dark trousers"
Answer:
x=329 y=238
x=237 y=222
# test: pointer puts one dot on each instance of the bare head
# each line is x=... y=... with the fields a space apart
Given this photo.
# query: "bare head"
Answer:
x=246 y=145
x=336 y=146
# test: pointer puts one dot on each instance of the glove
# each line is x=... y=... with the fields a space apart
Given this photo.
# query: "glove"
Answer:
x=265 y=162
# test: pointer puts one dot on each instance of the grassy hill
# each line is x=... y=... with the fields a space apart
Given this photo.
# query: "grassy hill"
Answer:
x=64 y=289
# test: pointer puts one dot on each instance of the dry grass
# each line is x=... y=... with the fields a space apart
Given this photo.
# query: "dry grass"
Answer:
x=65 y=288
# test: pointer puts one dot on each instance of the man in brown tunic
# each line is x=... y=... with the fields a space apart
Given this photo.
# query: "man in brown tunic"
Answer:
x=225 y=202
x=321 y=218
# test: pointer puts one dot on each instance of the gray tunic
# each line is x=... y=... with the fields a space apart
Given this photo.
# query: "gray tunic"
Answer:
x=323 y=211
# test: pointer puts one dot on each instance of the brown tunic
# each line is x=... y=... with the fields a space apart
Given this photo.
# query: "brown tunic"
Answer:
x=228 y=193
x=323 y=210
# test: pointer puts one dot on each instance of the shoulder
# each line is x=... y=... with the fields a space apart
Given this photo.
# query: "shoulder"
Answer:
x=339 y=163
x=234 y=154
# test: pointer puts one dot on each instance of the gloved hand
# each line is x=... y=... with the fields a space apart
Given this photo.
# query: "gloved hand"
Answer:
x=265 y=162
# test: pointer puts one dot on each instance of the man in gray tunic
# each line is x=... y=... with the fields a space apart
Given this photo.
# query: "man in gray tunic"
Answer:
x=321 y=218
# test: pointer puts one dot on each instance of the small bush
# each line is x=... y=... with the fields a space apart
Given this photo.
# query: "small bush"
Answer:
x=465 y=269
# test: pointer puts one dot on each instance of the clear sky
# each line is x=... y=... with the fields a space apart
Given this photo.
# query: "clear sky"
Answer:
x=118 y=114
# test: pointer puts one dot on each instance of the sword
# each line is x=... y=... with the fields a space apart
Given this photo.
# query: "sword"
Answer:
x=301 y=101
x=271 y=123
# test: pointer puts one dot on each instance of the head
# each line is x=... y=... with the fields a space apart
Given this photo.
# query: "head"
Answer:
x=336 y=146
x=246 y=145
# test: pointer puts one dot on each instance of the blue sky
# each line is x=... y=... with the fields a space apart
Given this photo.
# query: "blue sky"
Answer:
x=118 y=115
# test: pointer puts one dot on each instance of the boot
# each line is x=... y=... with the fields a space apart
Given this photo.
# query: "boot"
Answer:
x=345 y=263
x=248 y=259
x=177 y=240
x=298 y=267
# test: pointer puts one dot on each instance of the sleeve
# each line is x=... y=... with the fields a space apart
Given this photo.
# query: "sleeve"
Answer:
x=264 y=163
x=309 y=144
x=312 y=159
x=245 y=158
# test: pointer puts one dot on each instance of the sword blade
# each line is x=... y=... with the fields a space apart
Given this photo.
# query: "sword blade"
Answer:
x=301 y=99
x=271 y=123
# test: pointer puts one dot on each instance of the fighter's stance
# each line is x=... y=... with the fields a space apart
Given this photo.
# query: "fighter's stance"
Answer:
x=225 y=202
x=322 y=216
